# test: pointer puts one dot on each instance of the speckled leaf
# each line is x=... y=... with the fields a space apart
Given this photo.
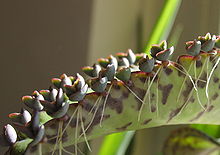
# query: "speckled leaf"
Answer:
x=171 y=99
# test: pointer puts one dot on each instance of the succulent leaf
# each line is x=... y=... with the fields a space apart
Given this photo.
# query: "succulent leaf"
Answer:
x=123 y=98
x=99 y=84
x=131 y=56
x=124 y=73
x=146 y=64
x=193 y=47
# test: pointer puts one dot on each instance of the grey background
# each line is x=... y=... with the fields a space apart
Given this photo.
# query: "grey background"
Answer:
x=39 y=40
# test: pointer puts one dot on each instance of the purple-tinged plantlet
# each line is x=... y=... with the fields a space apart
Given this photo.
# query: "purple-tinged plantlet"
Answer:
x=146 y=64
x=92 y=71
x=161 y=52
x=193 y=47
x=99 y=84
x=63 y=80
x=57 y=107
x=33 y=102
x=109 y=72
x=123 y=62
x=124 y=73
x=208 y=42
x=20 y=118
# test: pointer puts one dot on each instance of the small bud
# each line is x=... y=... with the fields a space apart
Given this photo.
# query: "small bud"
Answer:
x=81 y=81
x=154 y=50
x=146 y=64
x=27 y=100
x=193 y=47
x=59 y=98
x=208 y=36
x=46 y=94
x=124 y=74
x=131 y=56
x=103 y=62
x=122 y=55
x=92 y=71
x=123 y=62
x=164 y=55
x=79 y=95
x=56 y=82
x=36 y=104
x=65 y=80
x=96 y=70
x=209 y=44
x=62 y=110
x=15 y=117
x=33 y=102
x=139 y=56
x=99 y=84
x=163 y=44
x=25 y=116
x=49 y=107
x=53 y=94
x=10 y=134
x=113 y=60
x=109 y=72
x=40 y=97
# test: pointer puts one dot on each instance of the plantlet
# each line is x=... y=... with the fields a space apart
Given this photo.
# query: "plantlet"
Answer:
x=123 y=92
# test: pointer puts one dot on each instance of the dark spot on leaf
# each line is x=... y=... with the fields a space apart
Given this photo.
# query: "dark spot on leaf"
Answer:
x=180 y=70
x=198 y=63
x=165 y=92
x=116 y=103
x=88 y=106
x=147 y=121
x=143 y=79
x=186 y=92
x=216 y=79
x=192 y=99
x=153 y=108
x=174 y=113
x=210 y=108
x=74 y=121
x=214 y=97
x=197 y=116
x=124 y=127
x=168 y=71
x=117 y=87
x=95 y=122
x=140 y=93
x=200 y=83
x=64 y=136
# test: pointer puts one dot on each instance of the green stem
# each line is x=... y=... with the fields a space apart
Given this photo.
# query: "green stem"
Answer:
x=164 y=22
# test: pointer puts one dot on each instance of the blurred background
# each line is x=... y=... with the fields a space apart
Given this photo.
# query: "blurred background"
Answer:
x=42 y=39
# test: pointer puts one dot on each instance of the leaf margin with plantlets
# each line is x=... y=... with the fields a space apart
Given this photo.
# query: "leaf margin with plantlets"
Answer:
x=125 y=76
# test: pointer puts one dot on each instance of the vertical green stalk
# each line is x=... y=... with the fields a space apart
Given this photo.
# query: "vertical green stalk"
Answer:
x=164 y=23
x=116 y=144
